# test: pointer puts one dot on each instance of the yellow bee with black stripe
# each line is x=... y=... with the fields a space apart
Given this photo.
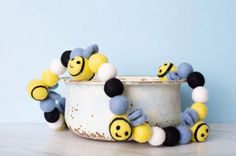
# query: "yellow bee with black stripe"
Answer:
x=164 y=69
x=79 y=69
x=200 y=131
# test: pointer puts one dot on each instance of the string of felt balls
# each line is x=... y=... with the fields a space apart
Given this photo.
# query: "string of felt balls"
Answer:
x=82 y=64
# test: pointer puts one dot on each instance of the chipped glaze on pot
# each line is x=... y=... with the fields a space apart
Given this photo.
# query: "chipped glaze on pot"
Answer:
x=87 y=111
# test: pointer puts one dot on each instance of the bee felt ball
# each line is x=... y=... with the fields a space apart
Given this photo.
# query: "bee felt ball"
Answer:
x=173 y=76
x=201 y=110
x=172 y=136
x=76 y=52
x=185 y=134
x=140 y=120
x=113 y=87
x=96 y=60
x=184 y=69
x=59 y=124
x=200 y=94
x=47 y=105
x=65 y=57
x=57 y=67
x=118 y=105
x=106 y=71
x=52 y=116
x=135 y=114
x=158 y=136
x=90 y=50
x=37 y=89
x=142 y=133
x=195 y=79
x=49 y=78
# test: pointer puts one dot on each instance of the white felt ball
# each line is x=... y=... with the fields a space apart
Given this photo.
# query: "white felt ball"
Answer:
x=200 y=94
x=158 y=136
x=57 y=67
x=58 y=125
x=106 y=71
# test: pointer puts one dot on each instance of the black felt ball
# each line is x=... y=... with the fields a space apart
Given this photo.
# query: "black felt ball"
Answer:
x=195 y=79
x=113 y=87
x=172 y=136
x=65 y=57
x=52 y=116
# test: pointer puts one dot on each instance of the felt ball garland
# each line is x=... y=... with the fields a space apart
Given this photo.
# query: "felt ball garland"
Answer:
x=192 y=117
x=51 y=103
x=82 y=64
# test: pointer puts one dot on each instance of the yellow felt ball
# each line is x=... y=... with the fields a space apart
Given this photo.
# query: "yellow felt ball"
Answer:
x=142 y=133
x=37 y=89
x=120 y=128
x=96 y=60
x=78 y=69
x=50 y=78
x=200 y=131
x=201 y=110
x=164 y=69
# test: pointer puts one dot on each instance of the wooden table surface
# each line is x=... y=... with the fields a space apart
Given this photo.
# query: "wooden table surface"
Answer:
x=37 y=139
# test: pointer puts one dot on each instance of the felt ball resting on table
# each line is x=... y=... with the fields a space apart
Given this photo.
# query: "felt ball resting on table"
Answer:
x=172 y=136
x=200 y=131
x=142 y=133
x=185 y=134
x=158 y=136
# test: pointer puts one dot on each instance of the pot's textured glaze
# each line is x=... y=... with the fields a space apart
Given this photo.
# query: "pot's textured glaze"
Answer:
x=87 y=106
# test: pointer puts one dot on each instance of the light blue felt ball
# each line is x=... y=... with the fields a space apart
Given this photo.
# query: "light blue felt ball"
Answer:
x=184 y=69
x=139 y=120
x=135 y=114
x=47 y=105
x=118 y=105
x=185 y=134
x=173 y=76
x=76 y=52
x=91 y=49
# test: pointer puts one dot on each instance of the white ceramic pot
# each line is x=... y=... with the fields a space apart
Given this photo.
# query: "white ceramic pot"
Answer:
x=87 y=111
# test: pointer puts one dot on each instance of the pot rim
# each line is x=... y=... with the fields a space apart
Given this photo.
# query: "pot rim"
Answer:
x=125 y=79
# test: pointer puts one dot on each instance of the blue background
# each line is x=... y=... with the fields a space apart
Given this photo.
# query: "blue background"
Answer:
x=137 y=36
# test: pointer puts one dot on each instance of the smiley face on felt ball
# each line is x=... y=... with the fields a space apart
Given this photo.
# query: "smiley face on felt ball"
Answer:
x=200 y=131
x=78 y=68
x=164 y=69
x=120 y=128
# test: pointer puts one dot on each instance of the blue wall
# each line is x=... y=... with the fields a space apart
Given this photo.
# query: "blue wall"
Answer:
x=137 y=36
